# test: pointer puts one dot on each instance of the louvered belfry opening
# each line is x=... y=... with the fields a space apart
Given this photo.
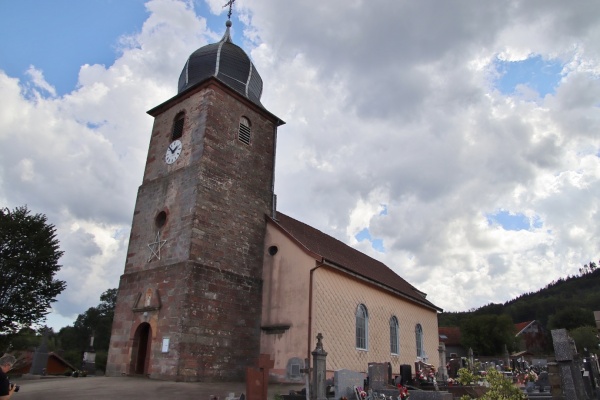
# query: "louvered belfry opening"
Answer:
x=178 y=126
x=244 y=131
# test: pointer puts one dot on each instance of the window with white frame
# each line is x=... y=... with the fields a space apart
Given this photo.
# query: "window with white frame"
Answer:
x=419 y=338
x=394 y=337
x=362 y=327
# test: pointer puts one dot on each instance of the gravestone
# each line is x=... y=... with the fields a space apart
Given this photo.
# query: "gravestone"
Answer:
x=595 y=373
x=405 y=374
x=543 y=381
x=257 y=379
x=569 y=366
x=587 y=383
x=378 y=373
x=344 y=381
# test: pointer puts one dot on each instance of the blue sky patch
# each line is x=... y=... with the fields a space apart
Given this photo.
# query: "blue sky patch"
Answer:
x=377 y=244
x=77 y=33
x=541 y=75
x=513 y=222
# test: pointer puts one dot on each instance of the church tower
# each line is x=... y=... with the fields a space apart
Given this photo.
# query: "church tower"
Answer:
x=189 y=301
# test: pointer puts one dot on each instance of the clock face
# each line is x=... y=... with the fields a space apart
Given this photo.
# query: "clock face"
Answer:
x=173 y=151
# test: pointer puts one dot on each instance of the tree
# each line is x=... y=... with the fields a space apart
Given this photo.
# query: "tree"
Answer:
x=585 y=337
x=29 y=254
x=488 y=334
x=571 y=317
x=96 y=321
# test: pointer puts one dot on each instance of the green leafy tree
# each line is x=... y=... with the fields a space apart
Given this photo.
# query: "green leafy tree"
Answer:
x=29 y=254
x=586 y=337
x=488 y=334
x=570 y=318
x=96 y=321
x=501 y=388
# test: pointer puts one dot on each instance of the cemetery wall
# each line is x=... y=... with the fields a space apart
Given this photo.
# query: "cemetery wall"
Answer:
x=336 y=297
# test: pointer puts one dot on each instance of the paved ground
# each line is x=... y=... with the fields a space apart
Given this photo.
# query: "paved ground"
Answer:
x=96 y=387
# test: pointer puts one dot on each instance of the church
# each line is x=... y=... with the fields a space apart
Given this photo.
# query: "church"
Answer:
x=215 y=275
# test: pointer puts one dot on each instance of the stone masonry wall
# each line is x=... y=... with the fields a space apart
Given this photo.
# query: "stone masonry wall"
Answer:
x=208 y=277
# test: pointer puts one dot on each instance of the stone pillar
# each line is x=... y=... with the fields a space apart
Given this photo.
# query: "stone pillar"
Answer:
x=471 y=362
x=506 y=358
x=442 y=373
x=89 y=358
x=554 y=380
x=319 y=371
x=568 y=366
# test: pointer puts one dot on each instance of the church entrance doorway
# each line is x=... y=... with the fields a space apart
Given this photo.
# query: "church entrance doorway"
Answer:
x=140 y=350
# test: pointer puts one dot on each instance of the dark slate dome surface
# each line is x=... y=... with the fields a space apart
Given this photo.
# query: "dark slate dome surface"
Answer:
x=228 y=63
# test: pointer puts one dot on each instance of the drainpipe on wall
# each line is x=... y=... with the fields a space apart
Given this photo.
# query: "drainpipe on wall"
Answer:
x=310 y=301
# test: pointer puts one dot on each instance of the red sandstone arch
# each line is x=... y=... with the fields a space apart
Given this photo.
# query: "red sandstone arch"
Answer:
x=140 y=349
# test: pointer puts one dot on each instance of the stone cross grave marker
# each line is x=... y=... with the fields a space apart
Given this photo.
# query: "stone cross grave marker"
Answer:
x=257 y=379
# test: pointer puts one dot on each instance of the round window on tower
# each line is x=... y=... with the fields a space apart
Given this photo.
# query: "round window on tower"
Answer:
x=273 y=250
x=161 y=219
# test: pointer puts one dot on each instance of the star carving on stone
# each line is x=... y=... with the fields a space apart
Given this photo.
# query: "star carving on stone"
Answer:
x=155 y=247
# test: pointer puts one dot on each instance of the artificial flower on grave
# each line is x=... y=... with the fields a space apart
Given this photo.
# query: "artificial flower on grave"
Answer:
x=431 y=372
x=403 y=390
x=532 y=376
x=361 y=392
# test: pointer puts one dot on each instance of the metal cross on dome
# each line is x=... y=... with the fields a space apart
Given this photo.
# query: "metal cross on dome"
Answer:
x=230 y=4
x=155 y=247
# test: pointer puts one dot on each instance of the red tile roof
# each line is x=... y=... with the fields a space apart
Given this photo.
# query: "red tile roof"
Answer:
x=522 y=325
x=349 y=259
x=452 y=334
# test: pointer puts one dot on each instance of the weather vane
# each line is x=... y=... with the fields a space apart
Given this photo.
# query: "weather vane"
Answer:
x=230 y=4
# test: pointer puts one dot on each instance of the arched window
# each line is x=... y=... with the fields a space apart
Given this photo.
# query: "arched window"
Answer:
x=419 y=338
x=362 y=327
x=177 y=131
x=394 y=337
x=244 y=131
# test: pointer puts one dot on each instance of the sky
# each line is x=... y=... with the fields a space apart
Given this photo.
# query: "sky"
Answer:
x=456 y=141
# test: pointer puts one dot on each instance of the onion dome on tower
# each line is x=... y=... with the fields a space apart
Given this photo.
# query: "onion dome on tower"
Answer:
x=228 y=63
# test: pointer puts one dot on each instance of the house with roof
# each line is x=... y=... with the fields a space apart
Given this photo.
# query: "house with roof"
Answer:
x=450 y=336
x=55 y=364
x=531 y=337
x=314 y=283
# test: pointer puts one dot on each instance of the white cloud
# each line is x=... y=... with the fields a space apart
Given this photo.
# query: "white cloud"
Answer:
x=385 y=103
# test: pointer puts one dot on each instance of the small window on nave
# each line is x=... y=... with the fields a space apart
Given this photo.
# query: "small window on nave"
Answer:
x=178 y=126
x=362 y=327
x=394 y=339
x=419 y=339
x=244 y=130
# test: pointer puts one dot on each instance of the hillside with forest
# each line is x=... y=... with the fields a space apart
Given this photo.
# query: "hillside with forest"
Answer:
x=566 y=303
